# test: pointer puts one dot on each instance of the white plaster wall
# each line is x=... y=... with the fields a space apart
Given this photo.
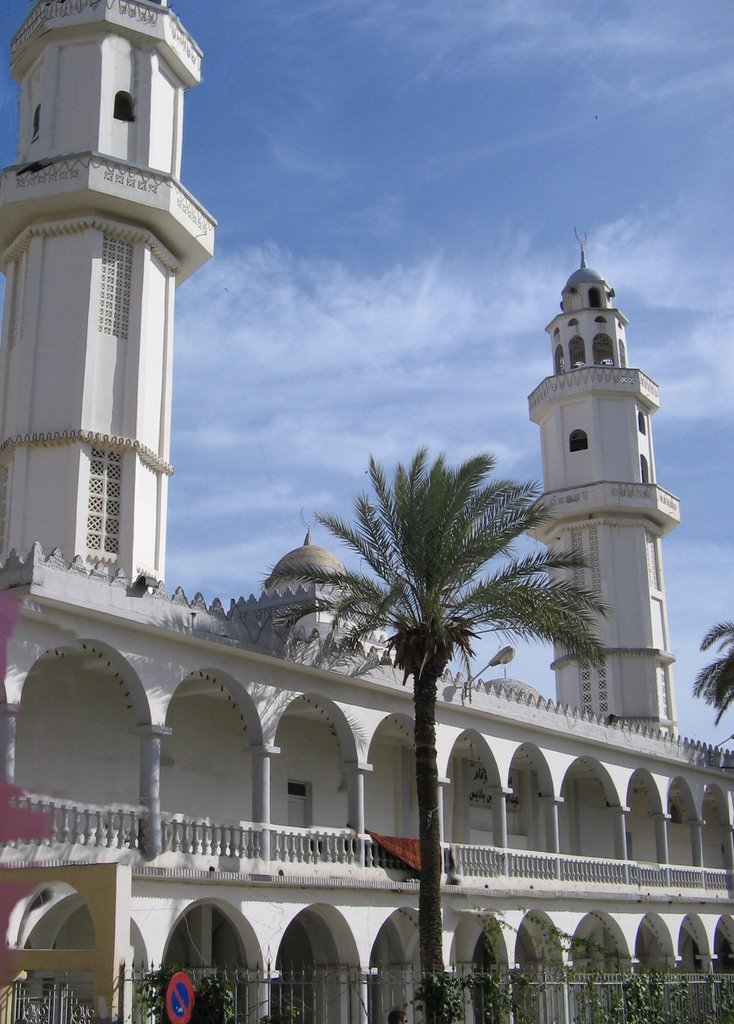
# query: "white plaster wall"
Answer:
x=641 y=829
x=679 y=843
x=30 y=97
x=625 y=586
x=33 y=471
x=119 y=74
x=163 y=118
x=309 y=753
x=46 y=392
x=148 y=507
x=146 y=395
x=211 y=774
x=75 y=100
x=587 y=827
x=390 y=806
x=74 y=735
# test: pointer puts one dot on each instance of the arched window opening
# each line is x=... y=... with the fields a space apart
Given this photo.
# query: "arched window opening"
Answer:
x=644 y=472
x=622 y=353
x=36 y=122
x=577 y=351
x=556 y=332
x=600 y=319
x=594 y=298
x=603 y=350
x=641 y=425
x=560 y=360
x=123 y=107
x=578 y=441
x=573 y=322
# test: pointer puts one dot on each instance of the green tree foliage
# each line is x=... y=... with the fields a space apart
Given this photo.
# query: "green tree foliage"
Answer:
x=213 y=997
x=437 y=546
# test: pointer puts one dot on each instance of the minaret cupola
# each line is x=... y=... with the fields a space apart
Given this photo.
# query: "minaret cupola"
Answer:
x=589 y=330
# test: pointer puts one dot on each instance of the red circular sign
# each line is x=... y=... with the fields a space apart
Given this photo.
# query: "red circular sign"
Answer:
x=180 y=998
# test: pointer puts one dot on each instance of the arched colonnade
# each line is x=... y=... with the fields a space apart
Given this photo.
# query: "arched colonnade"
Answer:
x=200 y=743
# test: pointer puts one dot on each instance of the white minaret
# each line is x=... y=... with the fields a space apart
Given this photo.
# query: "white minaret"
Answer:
x=595 y=417
x=96 y=232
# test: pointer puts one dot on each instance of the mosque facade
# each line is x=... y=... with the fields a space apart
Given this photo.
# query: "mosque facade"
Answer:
x=192 y=787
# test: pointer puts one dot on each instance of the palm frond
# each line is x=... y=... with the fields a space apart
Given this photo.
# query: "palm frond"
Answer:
x=714 y=684
x=437 y=546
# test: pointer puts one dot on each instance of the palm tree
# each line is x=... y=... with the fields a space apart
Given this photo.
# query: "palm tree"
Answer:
x=715 y=682
x=427 y=538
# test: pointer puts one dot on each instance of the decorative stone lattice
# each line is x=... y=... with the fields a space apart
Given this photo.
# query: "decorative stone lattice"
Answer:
x=114 y=291
x=586 y=703
x=577 y=543
x=662 y=674
x=594 y=562
x=601 y=675
x=103 y=519
x=653 y=562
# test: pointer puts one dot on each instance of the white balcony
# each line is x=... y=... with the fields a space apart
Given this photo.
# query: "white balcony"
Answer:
x=613 y=379
x=76 y=832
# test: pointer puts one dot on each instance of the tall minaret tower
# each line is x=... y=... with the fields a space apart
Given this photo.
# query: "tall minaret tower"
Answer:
x=96 y=232
x=595 y=415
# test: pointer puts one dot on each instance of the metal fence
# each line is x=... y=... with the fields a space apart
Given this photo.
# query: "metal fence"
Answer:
x=340 y=995
x=49 y=1000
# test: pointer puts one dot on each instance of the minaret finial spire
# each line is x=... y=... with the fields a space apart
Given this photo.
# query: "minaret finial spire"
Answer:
x=582 y=244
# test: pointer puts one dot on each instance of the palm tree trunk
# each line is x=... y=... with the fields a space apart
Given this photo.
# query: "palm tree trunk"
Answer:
x=430 y=925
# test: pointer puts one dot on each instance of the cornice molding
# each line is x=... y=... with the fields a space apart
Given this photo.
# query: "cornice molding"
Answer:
x=68 y=437
x=77 y=225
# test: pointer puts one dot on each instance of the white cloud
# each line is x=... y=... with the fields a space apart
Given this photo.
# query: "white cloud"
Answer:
x=467 y=38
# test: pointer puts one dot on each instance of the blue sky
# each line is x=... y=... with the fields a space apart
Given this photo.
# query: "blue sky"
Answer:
x=396 y=184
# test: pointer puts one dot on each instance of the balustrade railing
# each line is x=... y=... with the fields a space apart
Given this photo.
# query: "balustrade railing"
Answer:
x=207 y=838
x=314 y=846
x=122 y=828
x=102 y=827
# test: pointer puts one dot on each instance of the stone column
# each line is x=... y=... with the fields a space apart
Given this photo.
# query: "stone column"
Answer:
x=727 y=846
x=8 y=720
x=354 y=772
x=619 y=816
x=550 y=805
x=661 y=837
x=261 y=754
x=619 y=824
x=364 y=976
x=696 y=827
x=499 y=814
x=150 y=785
x=442 y=783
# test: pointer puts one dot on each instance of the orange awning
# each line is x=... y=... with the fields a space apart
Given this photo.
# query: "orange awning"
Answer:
x=406 y=850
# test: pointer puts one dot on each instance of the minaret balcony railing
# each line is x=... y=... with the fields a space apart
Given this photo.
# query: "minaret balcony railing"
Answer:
x=133 y=15
x=595 y=378
x=70 y=186
x=615 y=497
x=93 y=833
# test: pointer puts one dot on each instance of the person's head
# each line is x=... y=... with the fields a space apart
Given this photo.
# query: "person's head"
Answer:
x=397 y=1017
